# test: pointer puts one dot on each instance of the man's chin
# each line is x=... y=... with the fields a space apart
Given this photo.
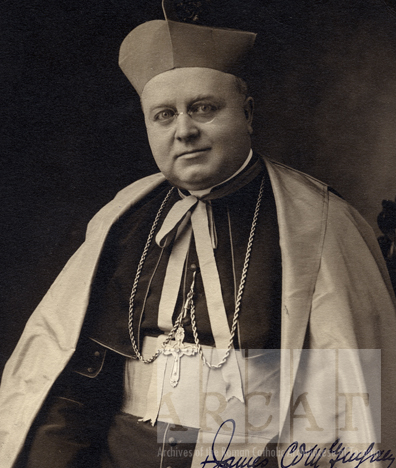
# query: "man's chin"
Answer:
x=192 y=177
x=192 y=184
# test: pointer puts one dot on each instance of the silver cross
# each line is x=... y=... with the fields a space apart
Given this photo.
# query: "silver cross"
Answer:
x=178 y=350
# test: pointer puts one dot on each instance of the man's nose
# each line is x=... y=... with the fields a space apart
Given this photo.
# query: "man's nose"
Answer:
x=186 y=127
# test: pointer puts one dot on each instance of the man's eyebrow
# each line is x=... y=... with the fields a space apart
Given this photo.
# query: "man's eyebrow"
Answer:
x=194 y=99
x=208 y=97
x=163 y=105
x=204 y=97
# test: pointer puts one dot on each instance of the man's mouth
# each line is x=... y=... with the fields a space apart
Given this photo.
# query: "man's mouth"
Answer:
x=192 y=153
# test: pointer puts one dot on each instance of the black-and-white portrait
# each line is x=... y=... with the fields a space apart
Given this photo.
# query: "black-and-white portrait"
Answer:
x=191 y=196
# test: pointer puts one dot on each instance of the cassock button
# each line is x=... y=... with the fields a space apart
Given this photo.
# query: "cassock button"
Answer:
x=97 y=353
x=194 y=267
x=90 y=370
x=172 y=441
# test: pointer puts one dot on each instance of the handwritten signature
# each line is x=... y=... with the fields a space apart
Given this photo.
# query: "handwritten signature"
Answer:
x=304 y=457
x=232 y=462
x=338 y=452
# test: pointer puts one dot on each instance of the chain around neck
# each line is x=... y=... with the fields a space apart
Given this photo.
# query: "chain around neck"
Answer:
x=190 y=295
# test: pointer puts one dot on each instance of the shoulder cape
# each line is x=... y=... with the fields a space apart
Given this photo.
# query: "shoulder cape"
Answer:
x=327 y=249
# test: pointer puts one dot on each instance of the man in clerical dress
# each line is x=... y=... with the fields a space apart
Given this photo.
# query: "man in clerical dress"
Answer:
x=227 y=311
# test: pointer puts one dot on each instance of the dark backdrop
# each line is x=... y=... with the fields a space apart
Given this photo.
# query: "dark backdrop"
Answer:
x=72 y=133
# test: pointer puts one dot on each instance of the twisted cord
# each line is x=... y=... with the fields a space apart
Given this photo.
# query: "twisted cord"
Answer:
x=189 y=301
x=239 y=295
x=135 y=285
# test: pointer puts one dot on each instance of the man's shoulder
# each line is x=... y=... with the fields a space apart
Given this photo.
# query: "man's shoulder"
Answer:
x=140 y=186
x=290 y=175
x=295 y=179
x=297 y=188
x=125 y=199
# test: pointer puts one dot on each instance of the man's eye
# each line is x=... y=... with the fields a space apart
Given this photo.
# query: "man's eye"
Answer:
x=204 y=109
x=164 y=115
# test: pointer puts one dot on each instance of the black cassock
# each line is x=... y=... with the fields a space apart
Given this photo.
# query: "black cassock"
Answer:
x=80 y=424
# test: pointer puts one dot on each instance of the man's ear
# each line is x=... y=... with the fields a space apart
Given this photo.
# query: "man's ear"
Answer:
x=248 y=107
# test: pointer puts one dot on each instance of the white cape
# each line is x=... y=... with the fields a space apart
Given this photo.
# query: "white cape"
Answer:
x=336 y=295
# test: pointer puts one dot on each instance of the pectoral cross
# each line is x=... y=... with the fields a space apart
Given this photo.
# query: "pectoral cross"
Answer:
x=178 y=350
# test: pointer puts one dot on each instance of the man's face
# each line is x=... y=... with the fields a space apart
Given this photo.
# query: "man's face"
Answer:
x=210 y=138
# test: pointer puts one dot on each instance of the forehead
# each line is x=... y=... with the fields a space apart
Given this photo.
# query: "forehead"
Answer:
x=182 y=84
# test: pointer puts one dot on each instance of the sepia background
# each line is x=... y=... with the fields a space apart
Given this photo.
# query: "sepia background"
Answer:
x=72 y=134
